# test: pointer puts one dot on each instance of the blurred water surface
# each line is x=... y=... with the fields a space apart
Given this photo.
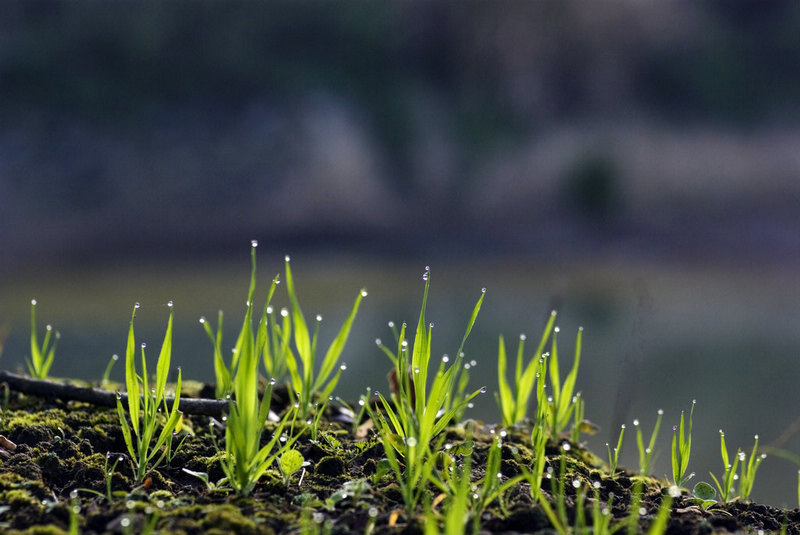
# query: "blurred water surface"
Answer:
x=656 y=336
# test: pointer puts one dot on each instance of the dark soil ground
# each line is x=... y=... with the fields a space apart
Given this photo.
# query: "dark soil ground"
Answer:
x=64 y=449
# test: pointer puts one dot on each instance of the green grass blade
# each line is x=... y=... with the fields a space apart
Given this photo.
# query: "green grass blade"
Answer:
x=131 y=382
x=302 y=338
x=506 y=400
x=162 y=367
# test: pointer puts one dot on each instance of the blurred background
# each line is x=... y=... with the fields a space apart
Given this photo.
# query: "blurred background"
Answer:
x=634 y=166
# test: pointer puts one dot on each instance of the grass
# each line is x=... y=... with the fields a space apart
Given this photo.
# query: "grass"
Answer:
x=412 y=423
x=141 y=420
x=41 y=355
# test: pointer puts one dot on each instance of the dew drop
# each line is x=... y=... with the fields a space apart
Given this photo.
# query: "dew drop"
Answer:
x=136 y=306
x=319 y=317
x=580 y=329
x=33 y=302
x=411 y=442
x=390 y=324
x=499 y=475
x=119 y=396
x=755 y=436
x=596 y=484
x=523 y=337
x=364 y=293
x=416 y=370
x=566 y=446
x=642 y=511
x=170 y=304
x=635 y=422
x=373 y=512
x=49 y=327
x=125 y=522
x=269 y=309
x=473 y=363
x=283 y=438
x=319 y=518
x=284 y=312
x=76 y=509
x=576 y=483
x=73 y=493
x=660 y=412
x=445 y=359
x=286 y=258
x=556 y=329
x=273 y=381
x=114 y=357
x=430 y=325
x=378 y=341
x=467 y=366
x=483 y=290
x=470 y=405
x=202 y=319
x=483 y=390
x=343 y=367
x=361 y=402
x=404 y=343
x=130 y=504
x=254 y=243
x=309 y=421
x=144 y=345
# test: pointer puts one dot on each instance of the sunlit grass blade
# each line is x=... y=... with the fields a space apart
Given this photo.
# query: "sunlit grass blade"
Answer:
x=338 y=344
x=131 y=381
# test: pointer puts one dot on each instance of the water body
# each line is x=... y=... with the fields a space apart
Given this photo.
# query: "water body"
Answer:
x=656 y=335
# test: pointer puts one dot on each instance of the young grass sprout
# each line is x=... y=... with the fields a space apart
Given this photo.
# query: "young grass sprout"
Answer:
x=646 y=452
x=681 y=450
x=41 y=355
x=145 y=404
x=301 y=366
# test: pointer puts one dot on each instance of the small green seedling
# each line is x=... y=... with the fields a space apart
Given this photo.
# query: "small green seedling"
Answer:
x=41 y=355
x=646 y=452
x=704 y=495
x=681 y=450
x=613 y=457
x=145 y=404
x=725 y=484
x=245 y=460
x=290 y=463
x=301 y=366
x=513 y=401
x=747 y=474
x=210 y=485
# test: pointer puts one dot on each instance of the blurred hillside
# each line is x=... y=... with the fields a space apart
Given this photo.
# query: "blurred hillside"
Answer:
x=550 y=127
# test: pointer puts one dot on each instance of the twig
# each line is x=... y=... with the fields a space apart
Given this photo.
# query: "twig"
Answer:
x=104 y=398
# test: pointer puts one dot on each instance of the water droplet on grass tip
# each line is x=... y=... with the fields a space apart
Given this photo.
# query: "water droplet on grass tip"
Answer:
x=660 y=412
x=445 y=359
x=473 y=363
x=483 y=390
x=33 y=301
x=73 y=493
x=470 y=405
x=202 y=319
x=319 y=317
x=576 y=483
x=319 y=518
x=144 y=345
x=523 y=337
x=642 y=511
x=114 y=357
x=556 y=329
x=284 y=312
x=596 y=484
x=287 y=258
x=755 y=437
x=373 y=512
x=170 y=304
x=430 y=325
x=411 y=442
x=125 y=522
x=283 y=438
x=404 y=343
x=272 y=381
x=635 y=423
x=136 y=305
x=269 y=309
x=566 y=446
x=254 y=243
x=361 y=402
x=343 y=367
x=390 y=324
x=49 y=327
x=364 y=293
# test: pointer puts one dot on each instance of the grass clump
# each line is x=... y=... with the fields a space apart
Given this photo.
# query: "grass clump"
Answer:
x=41 y=355
x=144 y=405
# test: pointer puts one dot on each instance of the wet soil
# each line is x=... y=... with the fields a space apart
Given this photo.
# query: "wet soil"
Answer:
x=57 y=476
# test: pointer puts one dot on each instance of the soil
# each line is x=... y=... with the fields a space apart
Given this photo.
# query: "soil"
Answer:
x=57 y=475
